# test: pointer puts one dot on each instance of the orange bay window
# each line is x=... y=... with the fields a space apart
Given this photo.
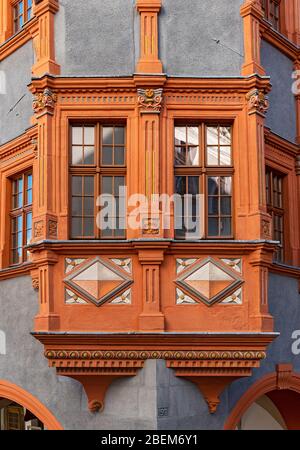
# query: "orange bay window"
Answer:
x=203 y=165
x=271 y=10
x=98 y=167
x=21 y=217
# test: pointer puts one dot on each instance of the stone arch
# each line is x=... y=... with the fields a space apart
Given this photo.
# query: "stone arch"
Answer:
x=17 y=394
x=281 y=387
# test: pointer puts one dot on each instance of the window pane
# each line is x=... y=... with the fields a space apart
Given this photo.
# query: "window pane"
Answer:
x=119 y=135
x=118 y=183
x=213 y=156
x=76 y=156
x=77 y=136
x=226 y=206
x=107 y=187
x=180 y=185
x=119 y=156
x=212 y=135
x=77 y=185
x=107 y=156
x=193 y=185
x=213 y=205
x=76 y=226
x=88 y=227
x=180 y=135
x=225 y=226
x=180 y=156
x=213 y=185
x=193 y=135
x=89 y=206
x=213 y=226
x=225 y=135
x=89 y=136
x=193 y=156
x=107 y=135
x=77 y=206
x=225 y=185
x=225 y=156
x=89 y=155
x=88 y=185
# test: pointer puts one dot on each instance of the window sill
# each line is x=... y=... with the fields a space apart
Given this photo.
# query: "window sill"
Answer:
x=279 y=40
x=17 y=40
x=16 y=271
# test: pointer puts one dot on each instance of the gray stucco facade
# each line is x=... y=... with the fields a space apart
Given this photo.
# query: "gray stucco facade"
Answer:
x=16 y=101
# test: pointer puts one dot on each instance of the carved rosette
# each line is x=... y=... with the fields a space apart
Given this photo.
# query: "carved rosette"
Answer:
x=150 y=100
x=44 y=100
x=258 y=101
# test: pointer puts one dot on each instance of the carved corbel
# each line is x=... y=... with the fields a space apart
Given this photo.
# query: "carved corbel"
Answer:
x=258 y=102
x=44 y=102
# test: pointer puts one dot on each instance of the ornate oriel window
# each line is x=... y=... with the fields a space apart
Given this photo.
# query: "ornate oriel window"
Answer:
x=274 y=186
x=21 y=217
x=203 y=165
x=22 y=12
x=98 y=179
x=271 y=9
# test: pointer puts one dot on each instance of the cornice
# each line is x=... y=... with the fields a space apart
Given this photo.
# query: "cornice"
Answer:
x=16 y=271
x=18 y=144
x=280 y=143
x=278 y=40
x=19 y=39
x=130 y=84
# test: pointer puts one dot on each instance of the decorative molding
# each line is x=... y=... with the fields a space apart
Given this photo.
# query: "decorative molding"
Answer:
x=52 y=229
x=44 y=100
x=150 y=100
x=266 y=228
x=35 y=283
x=38 y=229
x=258 y=102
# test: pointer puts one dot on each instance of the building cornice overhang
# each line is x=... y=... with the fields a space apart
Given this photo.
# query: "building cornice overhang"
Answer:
x=278 y=40
x=210 y=360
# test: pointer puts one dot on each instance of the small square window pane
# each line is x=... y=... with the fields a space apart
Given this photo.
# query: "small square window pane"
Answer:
x=77 y=136
x=29 y=197
x=212 y=156
x=21 y=21
x=193 y=185
x=107 y=185
x=225 y=226
x=225 y=135
x=213 y=185
x=29 y=181
x=89 y=185
x=180 y=135
x=180 y=156
x=107 y=156
x=77 y=206
x=29 y=220
x=89 y=136
x=225 y=185
x=193 y=156
x=119 y=182
x=21 y=7
x=76 y=226
x=89 y=206
x=226 y=206
x=119 y=156
x=107 y=135
x=119 y=233
x=89 y=155
x=225 y=156
x=212 y=135
x=76 y=156
x=107 y=233
x=213 y=226
x=213 y=205
x=77 y=185
x=119 y=136
x=180 y=185
x=193 y=135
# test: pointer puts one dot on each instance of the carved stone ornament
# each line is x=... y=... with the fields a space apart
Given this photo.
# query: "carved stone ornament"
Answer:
x=35 y=283
x=150 y=100
x=52 y=229
x=38 y=229
x=257 y=101
x=42 y=100
x=266 y=229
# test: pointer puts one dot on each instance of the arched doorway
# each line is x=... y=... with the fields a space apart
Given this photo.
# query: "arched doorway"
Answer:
x=271 y=403
x=21 y=410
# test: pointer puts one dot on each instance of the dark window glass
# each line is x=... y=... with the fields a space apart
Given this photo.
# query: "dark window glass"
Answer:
x=274 y=197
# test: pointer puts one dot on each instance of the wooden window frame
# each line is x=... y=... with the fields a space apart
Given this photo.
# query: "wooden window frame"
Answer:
x=269 y=16
x=275 y=210
x=15 y=19
x=96 y=170
x=23 y=211
x=204 y=171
